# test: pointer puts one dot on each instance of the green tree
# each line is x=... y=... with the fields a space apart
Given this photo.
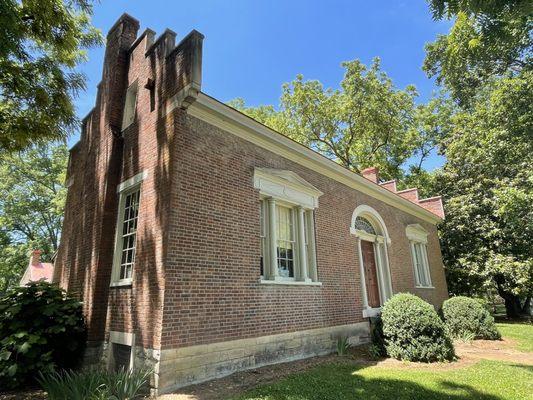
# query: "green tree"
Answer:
x=488 y=39
x=367 y=122
x=31 y=206
x=487 y=183
x=41 y=43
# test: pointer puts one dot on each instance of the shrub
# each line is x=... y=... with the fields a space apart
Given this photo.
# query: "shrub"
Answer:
x=465 y=317
x=95 y=384
x=41 y=329
x=377 y=348
x=413 y=330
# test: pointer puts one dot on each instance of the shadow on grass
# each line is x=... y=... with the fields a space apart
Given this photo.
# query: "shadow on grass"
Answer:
x=344 y=382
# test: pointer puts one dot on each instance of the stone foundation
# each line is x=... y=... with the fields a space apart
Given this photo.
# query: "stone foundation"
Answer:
x=194 y=364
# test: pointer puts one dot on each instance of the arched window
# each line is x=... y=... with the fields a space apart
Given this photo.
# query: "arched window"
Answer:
x=363 y=224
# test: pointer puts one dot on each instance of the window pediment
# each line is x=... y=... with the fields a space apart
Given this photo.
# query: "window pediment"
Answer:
x=286 y=186
x=417 y=233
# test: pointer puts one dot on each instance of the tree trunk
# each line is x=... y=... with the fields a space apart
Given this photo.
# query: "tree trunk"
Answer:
x=512 y=305
x=526 y=308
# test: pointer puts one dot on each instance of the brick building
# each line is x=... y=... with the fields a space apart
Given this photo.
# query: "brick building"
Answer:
x=203 y=242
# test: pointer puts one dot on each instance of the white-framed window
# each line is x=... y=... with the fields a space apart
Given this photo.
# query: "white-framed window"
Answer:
x=126 y=231
x=294 y=260
x=128 y=117
x=287 y=230
x=417 y=236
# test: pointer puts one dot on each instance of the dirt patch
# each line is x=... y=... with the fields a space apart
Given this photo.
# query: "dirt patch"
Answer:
x=499 y=350
x=25 y=395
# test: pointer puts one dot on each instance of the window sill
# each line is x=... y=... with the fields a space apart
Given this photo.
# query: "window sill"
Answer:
x=123 y=283
x=290 y=283
x=424 y=287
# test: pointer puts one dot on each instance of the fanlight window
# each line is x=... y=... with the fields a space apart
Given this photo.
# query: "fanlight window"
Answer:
x=363 y=224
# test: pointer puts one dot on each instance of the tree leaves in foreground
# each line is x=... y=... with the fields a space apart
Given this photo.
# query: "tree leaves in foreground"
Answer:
x=31 y=206
x=41 y=43
x=488 y=39
x=367 y=122
x=488 y=187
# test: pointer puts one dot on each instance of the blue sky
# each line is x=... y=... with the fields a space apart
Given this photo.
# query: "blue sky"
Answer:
x=252 y=47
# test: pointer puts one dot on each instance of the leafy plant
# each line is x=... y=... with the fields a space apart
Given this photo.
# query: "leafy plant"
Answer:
x=413 y=330
x=343 y=346
x=95 y=384
x=465 y=317
x=377 y=349
x=41 y=329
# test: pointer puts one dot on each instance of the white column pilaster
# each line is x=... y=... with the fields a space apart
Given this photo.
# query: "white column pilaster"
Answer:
x=272 y=240
x=311 y=247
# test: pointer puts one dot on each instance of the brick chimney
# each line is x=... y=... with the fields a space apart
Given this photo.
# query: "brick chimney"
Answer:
x=371 y=174
x=35 y=257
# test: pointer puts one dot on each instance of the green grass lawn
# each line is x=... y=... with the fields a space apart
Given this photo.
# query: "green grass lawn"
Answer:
x=487 y=380
x=522 y=333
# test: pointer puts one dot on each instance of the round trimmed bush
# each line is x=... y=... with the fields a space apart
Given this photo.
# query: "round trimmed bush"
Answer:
x=41 y=330
x=413 y=330
x=465 y=317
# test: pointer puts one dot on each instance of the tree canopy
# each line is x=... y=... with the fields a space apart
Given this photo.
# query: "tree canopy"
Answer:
x=41 y=43
x=487 y=183
x=488 y=39
x=366 y=122
x=31 y=206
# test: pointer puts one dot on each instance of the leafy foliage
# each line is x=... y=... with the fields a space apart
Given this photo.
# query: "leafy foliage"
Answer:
x=377 y=337
x=464 y=316
x=413 y=331
x=488 y=39
x=343 y=346
x=41 y=329
x=31 y=206
x=95 y=384
x=487 y=183
x=41 y=43
x=367 y=122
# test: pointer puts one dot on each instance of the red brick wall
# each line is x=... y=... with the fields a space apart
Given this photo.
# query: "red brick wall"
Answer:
x=212 y=273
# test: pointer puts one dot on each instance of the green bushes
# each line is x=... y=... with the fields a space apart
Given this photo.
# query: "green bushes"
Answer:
x=413 y=330
x=465 y=317
x=41 y=329
x=95 y=385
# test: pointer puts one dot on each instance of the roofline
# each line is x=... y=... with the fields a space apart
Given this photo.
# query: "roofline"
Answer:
x=233 y=121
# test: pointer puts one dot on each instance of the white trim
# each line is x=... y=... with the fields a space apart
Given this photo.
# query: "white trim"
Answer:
x=224 y=117
x=364 y=211
x=417 y=233
x=134 y=180
x=286 y=186
x=290 y=282
x=122 y=189
x=125 y=338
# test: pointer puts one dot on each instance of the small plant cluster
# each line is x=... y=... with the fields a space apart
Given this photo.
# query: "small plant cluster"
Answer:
x=413 y=330
x=410 y=329
x=95 y=384
x=467 y=319
x=343 y=345
x=41 y=330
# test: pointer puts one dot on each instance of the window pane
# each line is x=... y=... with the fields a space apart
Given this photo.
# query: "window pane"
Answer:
x=129 y=234
x=285 y=241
